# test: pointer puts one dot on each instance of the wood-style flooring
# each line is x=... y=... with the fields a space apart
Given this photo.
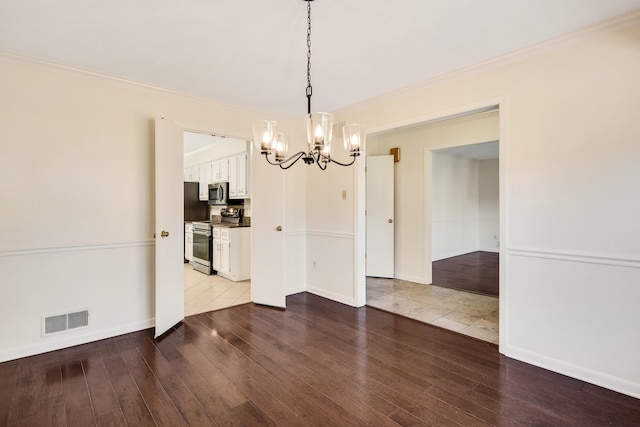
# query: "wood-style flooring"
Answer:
x=317 y=363
x=473 y=272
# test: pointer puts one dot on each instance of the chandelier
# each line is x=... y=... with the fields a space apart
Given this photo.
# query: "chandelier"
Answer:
x=273 y=144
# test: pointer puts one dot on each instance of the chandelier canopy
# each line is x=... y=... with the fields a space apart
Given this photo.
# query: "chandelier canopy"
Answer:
x=273 y=144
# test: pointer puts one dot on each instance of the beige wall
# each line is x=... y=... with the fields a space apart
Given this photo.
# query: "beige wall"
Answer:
x=77 y=189
x=570 y=263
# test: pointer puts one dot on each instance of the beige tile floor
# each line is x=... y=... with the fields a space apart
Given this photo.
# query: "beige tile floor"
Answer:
x=464 y=312
x=207 y=293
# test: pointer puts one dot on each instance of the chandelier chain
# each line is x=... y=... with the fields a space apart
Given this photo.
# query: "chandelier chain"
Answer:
x=309 y=89
x=319 y=129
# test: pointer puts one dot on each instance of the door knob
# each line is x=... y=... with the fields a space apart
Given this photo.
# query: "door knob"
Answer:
x=164 y=233
x=390 y=220
x=279 y=228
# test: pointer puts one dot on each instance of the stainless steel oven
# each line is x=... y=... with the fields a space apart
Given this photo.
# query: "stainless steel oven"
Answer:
x=202 y=247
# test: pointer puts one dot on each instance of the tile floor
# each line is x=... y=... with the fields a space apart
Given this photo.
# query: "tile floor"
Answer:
x=464 y=312
x=206 y=293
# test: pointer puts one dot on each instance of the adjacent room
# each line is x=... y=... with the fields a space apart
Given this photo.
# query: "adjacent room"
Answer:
x=461 y=190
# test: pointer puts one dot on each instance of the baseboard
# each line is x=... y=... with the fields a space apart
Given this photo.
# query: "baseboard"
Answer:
x=456 y=253
x=49 y=345
x=332 y=296
x=585 y=374
x=296 y=290
x=494 y=250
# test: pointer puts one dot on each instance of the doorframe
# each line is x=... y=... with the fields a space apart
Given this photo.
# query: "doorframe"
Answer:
x=501 y=103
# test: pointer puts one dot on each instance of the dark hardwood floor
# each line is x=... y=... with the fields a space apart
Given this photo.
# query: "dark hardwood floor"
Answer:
x=473 y=272
x=316 y=363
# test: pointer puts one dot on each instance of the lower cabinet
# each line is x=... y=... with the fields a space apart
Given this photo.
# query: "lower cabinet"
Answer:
x=232 y=252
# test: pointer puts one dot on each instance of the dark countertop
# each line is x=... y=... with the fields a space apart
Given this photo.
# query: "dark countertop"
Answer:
x=229 y=225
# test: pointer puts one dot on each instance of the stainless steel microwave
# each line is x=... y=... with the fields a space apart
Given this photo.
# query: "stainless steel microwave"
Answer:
x=218 y=193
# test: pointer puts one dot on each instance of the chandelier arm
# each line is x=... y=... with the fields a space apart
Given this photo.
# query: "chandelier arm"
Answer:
x=266 y=156
x=293 y=159
x=322 y=164
x=353 y=160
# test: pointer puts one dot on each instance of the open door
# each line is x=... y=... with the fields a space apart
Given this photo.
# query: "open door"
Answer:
x=268 y=234
x=169 y=227
x=380 y=218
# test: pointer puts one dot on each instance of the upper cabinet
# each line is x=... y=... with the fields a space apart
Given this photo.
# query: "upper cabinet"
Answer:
x=220 y=170
x=238 y=179
x=191 y=174
x=205 y=180
x=233 y=169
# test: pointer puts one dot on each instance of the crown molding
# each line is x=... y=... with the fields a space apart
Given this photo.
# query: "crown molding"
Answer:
x=87 y=73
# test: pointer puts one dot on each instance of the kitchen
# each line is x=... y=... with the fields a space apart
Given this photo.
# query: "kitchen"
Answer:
x=217 y=218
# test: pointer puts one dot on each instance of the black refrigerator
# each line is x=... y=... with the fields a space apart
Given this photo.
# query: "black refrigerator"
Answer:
x=194 y=209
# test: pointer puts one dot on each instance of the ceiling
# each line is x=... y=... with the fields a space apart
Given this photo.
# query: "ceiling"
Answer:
x=252 y=53
x=480 y=151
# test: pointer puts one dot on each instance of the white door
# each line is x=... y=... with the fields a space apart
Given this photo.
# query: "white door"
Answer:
x=267 y=233
x=380 y=219
x=169 y=227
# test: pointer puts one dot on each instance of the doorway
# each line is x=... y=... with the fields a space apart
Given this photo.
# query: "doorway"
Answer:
x=411 y=292
x=465 y=217
x=204 y=292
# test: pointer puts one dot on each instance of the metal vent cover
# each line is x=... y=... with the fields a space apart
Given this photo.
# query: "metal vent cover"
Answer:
x=55 y=324
x=78 y=319
x=63 y=322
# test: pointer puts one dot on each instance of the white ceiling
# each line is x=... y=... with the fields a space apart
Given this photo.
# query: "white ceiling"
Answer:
x=481 y=151
x=252 y=53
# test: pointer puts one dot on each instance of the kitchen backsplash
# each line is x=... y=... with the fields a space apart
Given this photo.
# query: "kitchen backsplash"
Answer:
x=215 y=210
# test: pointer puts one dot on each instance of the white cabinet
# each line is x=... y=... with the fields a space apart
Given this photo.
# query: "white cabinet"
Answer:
x=191 y=174
x=233 y=169
x=225 y=258
x=232 y=252
x=238 y=179
x=220 y=170
x=188 y=242
x=216 y=248
x=204 y=174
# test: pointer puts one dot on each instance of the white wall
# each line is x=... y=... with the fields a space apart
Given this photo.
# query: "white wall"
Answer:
x=454 y=206
x=488 y=205
x=465 y=205
x=76 y=183
x=330 y=240
x=569 y=177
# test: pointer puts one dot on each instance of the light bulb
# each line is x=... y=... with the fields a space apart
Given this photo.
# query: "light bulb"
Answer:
x=318 y=135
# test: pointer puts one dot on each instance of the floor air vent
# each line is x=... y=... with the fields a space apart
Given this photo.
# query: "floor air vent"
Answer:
x=64 y=322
